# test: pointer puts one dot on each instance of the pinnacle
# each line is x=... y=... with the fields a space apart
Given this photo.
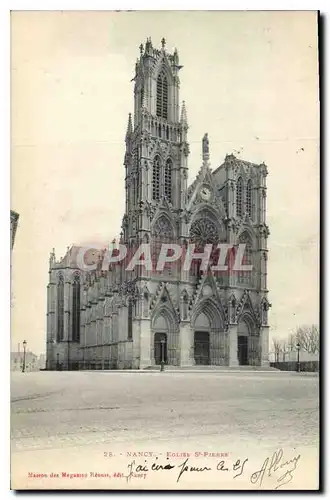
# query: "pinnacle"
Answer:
x=183 y=118
x=129 y=126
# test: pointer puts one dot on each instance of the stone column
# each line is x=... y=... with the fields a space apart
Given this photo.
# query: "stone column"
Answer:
x=264 y=345
x=145 y=343
x=186 y=344
x=232 y=340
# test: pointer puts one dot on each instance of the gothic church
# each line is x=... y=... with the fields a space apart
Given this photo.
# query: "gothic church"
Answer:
x=120 y=319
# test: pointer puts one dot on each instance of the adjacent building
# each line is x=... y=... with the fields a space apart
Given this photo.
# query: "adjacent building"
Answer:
x=13 y=226
x=17 y=360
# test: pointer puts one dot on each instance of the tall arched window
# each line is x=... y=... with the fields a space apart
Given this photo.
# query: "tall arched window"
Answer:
x=161 y=232
x=60 y=308
x=246 y=277
x=249 y=198
x=156 y=179
x=239 y=188
x=76 y=309
x=168 y=180
x=162 y=95
x=142 y=96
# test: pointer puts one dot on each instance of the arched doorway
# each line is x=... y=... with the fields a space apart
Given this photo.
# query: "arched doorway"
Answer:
x=160 y=348
x=164 y=321
x=243 y=350
x=248 y=342
x=243 y=333
x=202 y=340
x=202 y=348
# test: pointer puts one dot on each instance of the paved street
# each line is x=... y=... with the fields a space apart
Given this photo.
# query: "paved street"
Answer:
x=95 y=420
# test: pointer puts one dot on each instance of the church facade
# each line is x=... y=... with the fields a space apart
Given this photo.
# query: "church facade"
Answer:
x=120 y=317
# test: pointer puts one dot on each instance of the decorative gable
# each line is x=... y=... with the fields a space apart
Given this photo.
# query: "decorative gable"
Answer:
x=245 y=304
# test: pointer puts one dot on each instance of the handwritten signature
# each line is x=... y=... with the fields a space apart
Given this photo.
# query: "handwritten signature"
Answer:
x=274 y=464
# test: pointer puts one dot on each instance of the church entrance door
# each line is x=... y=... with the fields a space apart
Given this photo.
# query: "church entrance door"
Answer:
x=242 y=347
x=202 y=348
x=160 y=346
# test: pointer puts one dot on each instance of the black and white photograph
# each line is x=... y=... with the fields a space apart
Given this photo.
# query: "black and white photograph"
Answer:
x=164 y=226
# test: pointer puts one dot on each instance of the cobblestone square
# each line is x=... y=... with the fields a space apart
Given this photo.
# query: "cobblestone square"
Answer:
x=73 y=420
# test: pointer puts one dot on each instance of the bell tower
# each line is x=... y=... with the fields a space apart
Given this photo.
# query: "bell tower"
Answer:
x=156 y=143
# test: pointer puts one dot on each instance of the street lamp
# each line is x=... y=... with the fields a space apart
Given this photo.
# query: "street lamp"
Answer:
x=162 y=344
x=24 y=355
x=298 y=357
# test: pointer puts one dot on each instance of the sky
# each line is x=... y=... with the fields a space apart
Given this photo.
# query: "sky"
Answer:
x=249 y=79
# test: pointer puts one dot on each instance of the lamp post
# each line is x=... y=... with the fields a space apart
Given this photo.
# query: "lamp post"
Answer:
x=162 y=344
x=24 y=355
x=298 y=357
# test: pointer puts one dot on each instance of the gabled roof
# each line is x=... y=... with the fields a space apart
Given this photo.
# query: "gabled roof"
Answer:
x=73 y=255
x=219 y=173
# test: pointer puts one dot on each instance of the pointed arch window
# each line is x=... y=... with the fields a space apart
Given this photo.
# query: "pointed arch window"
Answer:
x=239 y=188
x=60 y=308
x=246 y=277
x=76 y=309
x=249 y=198
x=142 y=96
x=162 y=232
x=156 y=179
x=168 y=180
x=162 y=95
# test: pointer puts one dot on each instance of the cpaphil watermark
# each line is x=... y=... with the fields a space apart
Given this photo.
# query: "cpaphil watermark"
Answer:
x=155 y=257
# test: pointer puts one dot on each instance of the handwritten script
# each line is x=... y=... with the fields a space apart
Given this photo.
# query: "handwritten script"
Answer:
x=278 y=470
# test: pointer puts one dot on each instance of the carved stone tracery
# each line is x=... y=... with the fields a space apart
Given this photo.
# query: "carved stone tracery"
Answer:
x=162 y=228
x=204 y=231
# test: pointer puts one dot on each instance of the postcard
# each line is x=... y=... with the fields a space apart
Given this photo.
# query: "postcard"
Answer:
x=165 y=250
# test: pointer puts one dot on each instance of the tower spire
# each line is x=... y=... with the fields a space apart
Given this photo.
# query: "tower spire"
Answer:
x=129 y=130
